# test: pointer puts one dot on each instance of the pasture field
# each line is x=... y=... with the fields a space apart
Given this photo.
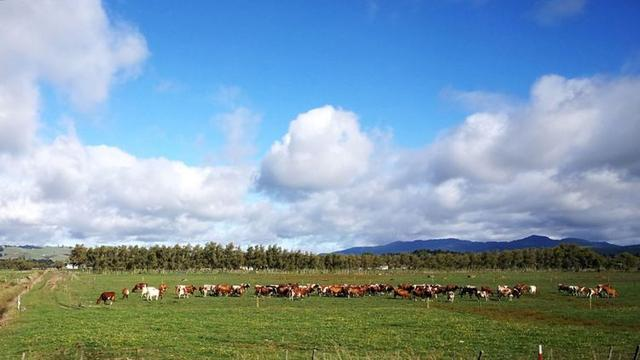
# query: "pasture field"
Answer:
x=62 y=320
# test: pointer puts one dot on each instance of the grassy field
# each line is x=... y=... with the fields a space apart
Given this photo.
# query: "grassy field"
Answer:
x=62 y=321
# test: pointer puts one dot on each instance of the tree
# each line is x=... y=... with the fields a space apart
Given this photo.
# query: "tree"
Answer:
x=78 y=256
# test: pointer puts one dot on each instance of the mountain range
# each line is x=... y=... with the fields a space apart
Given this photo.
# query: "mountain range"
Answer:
x=457 y=245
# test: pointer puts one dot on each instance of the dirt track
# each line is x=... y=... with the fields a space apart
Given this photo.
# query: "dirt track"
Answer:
x=5 y=315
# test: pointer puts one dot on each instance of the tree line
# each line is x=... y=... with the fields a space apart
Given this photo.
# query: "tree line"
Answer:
x=231 y=257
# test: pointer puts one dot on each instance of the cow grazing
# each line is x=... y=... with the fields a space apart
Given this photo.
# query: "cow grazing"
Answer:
x=125 y=293
x=109 y=296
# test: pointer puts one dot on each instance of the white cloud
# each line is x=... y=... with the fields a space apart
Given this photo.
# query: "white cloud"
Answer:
x=562 y=163
x=323 y=149
x=109 y=195
x=69 y=44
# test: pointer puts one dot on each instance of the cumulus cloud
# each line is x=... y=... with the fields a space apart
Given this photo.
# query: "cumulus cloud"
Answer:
x=100 y=193
x=324 y=148
x=69 y=44
x=563 y=162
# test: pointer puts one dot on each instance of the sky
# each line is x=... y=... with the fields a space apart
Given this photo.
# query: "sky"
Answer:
x=318 y=125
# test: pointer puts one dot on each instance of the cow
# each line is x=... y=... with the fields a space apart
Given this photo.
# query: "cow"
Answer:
x=506 y=291
x=109 y=296
x=423 y=292
x=469 y=289
x=138 y=286
x=355 y=291
x=150 y=293
x=125 y=293
x=207 y=289
x=569 y=289
x=262 y=290
x=405 y=294
x=522 y=288
x=335 y=290
x=162 y=289
x=298 y=292
x=238 y=290
x=487 y=290
x=450 y=287
x=483 y=294
x=533 y=290
x=605 y=290
x=451 y=296
x=184 y=290
x=223 y=290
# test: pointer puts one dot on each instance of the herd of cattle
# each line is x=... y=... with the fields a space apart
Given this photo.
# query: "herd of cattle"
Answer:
x=404 y=291
x=601 y=290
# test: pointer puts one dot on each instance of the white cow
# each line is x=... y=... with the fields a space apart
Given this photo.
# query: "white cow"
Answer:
x=533 y=289
x=150 y=293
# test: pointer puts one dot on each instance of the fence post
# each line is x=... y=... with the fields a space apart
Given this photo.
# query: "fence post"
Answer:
x=313 y=355
x=610 y=353
x=480 y=354
x=19 y=304
x=635 y=356
x=540 y=352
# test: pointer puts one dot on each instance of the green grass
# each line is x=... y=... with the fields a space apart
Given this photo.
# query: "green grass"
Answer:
x=64 y=321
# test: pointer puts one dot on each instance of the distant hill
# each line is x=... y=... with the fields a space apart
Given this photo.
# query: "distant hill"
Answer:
x=457 y=245
x=54 y=253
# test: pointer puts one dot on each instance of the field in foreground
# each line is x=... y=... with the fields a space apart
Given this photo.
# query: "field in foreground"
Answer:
x=61 y=320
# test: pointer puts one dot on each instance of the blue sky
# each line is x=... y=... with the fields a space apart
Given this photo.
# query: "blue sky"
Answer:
x=318 y=125
x=391 y=62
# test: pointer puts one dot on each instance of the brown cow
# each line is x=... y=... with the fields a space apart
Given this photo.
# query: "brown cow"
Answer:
x=224 y=290
x=607 y=290
x=163 y=289
x=125 y=293
x=238 y=290
x=402 y=293
x=139 y=286
x=355 y=291
x=107 y=296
